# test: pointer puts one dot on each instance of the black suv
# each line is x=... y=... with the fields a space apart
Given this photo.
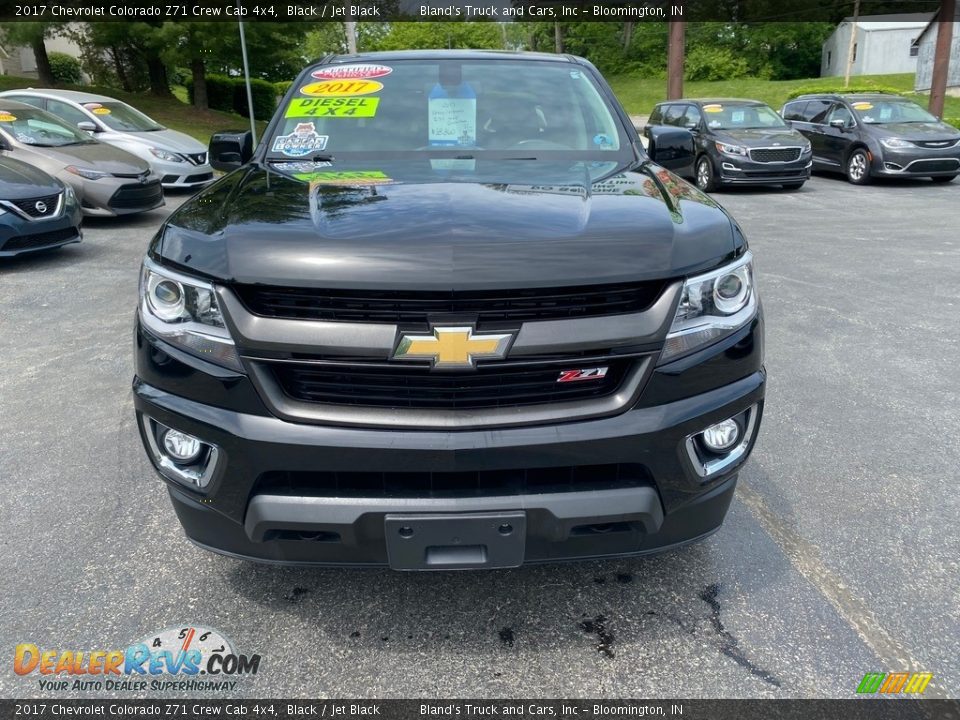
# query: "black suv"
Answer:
x=736 y=142
x=447 y=314
x=866 y=136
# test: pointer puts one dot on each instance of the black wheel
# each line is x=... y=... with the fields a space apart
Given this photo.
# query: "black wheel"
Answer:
x=793 y=186
x=858 y=167
x=942 y=178
x=706 y=180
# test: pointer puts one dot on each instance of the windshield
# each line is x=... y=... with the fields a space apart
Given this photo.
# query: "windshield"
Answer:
x=881 y=112
x=120 y=116
x=524 y=108
x=32 y=126
x=741 y=117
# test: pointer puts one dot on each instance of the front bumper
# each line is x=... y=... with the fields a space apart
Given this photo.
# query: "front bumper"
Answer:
x=656 y=500
x=742 y=171
x=18 y=236
x=112 y=196
x=922 y=162
x=182 y=176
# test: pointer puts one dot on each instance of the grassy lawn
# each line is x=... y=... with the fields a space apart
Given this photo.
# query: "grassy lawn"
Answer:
x=639 y=95
x=173 y=112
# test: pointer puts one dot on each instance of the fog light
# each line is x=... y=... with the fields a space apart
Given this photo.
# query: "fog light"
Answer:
x=722 y=436
x=182 y=448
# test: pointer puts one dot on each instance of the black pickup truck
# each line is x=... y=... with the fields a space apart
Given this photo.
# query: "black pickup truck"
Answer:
x=447 y=314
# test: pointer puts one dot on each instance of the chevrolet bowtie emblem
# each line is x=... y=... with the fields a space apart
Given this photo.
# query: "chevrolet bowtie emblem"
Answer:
x=453 y=347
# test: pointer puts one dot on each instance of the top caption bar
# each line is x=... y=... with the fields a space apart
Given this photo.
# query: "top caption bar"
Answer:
x=440 y=10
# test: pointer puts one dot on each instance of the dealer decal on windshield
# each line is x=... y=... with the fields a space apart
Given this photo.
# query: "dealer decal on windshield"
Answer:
x=7 y=117
x=358 y=107
x=713 y=108
x=360 y=72
x=302 y=141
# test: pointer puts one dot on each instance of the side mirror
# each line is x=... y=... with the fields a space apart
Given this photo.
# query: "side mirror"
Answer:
x=671 y=147
x=90 y=127
x=229 y=149
x=692 y=126
x=839 y=124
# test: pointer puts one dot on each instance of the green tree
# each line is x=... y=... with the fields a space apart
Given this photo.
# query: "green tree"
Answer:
x=33 y=35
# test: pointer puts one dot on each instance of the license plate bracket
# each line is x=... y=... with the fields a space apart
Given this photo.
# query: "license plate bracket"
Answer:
x=455 y=541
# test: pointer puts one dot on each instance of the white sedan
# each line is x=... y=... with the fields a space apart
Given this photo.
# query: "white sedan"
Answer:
x=179 y=160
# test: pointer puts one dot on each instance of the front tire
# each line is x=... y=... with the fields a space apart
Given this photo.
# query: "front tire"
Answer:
x=705 y=178
x=858 y=167
x=943 y=178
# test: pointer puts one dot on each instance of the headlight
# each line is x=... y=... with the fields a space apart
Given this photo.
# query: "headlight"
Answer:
x=806 y=149
x=895 y=143
x=184 y=312
x=712 y=306
x=735 y=150
x=88 y=173
x=69 y=196
x=165 y=155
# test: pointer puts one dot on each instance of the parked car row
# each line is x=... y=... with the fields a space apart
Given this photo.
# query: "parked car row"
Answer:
x=718 y=141
x=65 y=155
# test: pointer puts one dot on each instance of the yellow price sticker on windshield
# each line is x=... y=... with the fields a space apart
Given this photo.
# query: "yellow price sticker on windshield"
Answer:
x=101 y=111
x=332 y=107
x=7 y=117
x=342 y=87
x=713 y=108
x=863 y=106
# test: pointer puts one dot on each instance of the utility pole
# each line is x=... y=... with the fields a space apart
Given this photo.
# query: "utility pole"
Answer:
x=941 y=56
x=351 y=28
x=851 y=51
x=675 y=45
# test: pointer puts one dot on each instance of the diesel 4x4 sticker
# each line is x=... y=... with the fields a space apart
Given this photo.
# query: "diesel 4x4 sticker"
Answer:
x=351 y=107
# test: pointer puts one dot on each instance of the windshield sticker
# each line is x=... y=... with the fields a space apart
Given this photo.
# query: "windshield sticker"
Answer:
x=862 y=106
x=7 y=117
x=736 y=116
x=602 y=141
x=91 y=106
x=303 y=166
x=332 y=107
x=302 y=141
x=362 y=72
x=713 y=108
x=101 y=111
x=346 y=177
x=342 y=88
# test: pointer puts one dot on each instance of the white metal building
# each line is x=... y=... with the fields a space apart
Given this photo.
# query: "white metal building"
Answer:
x=926 y=45
x=884 y=44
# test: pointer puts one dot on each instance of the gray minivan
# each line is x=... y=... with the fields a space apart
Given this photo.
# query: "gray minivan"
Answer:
x=875 y=135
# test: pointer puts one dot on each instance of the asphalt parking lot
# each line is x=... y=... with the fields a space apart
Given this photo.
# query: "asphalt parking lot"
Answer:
x=840 y=556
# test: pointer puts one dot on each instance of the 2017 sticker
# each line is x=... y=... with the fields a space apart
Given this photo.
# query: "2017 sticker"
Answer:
x=363 y=71
x=341 y=88
x=349 y=107
x=7 y=117
x=302 y=141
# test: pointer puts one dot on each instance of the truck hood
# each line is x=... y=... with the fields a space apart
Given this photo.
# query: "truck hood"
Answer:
x=447 y=224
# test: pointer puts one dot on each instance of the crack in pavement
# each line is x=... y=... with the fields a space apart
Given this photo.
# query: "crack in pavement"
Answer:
x=805 y=558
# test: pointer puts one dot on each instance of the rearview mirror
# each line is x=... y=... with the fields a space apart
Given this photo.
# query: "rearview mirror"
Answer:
x=90 y=127
x=229 y=149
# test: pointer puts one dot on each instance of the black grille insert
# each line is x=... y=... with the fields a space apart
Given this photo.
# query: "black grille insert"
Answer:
x=145 y=196
x=40 y=240
x=389 y=306
x=765 y=155
x=411 y=386
x=522 y=481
